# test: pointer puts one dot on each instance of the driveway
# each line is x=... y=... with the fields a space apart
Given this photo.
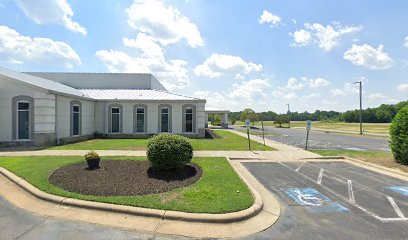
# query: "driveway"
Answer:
x=322 y=140
x=333 y=200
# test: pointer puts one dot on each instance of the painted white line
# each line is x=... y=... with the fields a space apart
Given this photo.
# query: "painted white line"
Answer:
x=319 y=180
x=350 y=191
x=300 y=166
x=395 y=206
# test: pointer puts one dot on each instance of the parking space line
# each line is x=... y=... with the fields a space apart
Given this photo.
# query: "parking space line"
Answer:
x=299 y=167
x=319 y=179
x=368 y=212
x=350 y=191
x=395 y=206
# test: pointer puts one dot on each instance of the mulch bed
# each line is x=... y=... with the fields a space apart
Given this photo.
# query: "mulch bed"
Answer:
x=122 y=178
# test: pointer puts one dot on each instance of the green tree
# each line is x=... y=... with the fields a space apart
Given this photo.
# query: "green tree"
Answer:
x=281 y=119
x=249 y=114
x=399 y=136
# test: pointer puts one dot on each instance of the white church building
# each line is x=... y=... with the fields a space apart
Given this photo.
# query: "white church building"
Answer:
x=43 y=108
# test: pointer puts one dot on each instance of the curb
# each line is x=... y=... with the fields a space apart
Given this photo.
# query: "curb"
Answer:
x=245 y=214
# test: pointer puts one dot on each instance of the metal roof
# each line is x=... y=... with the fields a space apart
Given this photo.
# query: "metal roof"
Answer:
x=133 y=94
x=41 y=82
x=210 y=109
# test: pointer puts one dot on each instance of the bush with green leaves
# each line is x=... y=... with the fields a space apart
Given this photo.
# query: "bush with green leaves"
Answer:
x=167 y=152
x=399 y=136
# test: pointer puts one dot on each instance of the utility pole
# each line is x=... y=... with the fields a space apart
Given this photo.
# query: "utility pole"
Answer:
x=361 y=105
x=288 y=113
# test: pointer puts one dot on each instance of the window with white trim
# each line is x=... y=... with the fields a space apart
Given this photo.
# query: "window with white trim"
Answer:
x=115 y=120
x=164 y=119
x=140 y=119
x=189 y=120
x=23 y=120
x=76 y=118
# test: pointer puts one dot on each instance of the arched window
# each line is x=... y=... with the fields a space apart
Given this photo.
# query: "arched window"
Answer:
x=23 y=118
x=115 y=120
x=76 y=118
x=140 y=118
x=165 y=114
x=189 y=118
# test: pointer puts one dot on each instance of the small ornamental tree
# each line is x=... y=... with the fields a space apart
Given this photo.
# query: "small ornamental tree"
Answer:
x=168 y=152
x=249 y=114
x=399 y=136
x=281 y=119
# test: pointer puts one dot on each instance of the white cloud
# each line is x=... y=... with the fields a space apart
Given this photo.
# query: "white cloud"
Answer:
x=316 y=83
x=252 y=90
x=268 y=17
x=369 y=57
x=51 y=12
x=379 y=97
x=326 y=37
x=220 y=64
x=284 y=95
x=348 y=88
x=172 y=73
x=294 y=84
x=403 y=87
x=18 y=49
x=164 y=24
x=406 y=41
x=313 y=95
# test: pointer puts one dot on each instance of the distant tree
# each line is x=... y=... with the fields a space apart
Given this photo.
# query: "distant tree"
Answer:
x=281 y=119
x=233 y=120
x=249 y=114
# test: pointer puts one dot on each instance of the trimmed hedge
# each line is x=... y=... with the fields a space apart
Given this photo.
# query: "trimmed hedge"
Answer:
x=168 y=152
x=399 y=136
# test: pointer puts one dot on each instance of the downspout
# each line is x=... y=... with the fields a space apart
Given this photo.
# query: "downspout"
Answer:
x=56 y=120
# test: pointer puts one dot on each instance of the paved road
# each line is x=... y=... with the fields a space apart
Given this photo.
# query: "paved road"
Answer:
x=321 y=140
x=349 y=203
x=19 y=224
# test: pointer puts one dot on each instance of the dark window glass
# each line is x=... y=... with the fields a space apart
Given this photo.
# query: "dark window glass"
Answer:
x=164 y=120
x=23 y=106
x=189 y=120
x=115 y=110
x=140 y=119
x=23 y=124
x=75 y=108
x=115 y=123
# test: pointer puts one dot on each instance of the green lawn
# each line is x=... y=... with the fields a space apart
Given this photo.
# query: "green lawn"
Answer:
x=219 y=189
x=375 y=128
x=228 y=141
x=377 y=157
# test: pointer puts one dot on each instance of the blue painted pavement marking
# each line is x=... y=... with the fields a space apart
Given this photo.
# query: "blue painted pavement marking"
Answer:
x=314 y=200
x=400 y=189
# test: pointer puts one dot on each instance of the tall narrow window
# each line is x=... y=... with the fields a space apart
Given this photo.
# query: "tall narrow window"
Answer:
x=189 y=120
x=115 y=117
x=75 y=120
x=164 y=120
x=23 y=120
x=140 y=120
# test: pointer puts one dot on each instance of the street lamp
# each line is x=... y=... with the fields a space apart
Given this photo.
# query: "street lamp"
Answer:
x=361 y=105
x=288 y=113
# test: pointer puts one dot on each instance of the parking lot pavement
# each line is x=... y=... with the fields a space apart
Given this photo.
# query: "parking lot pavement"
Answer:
x=333 y=200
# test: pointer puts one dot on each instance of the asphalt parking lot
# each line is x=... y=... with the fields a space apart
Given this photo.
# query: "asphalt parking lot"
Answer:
x=333 y=200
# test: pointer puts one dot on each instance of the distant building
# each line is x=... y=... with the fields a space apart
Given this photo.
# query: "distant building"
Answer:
x=52 y=108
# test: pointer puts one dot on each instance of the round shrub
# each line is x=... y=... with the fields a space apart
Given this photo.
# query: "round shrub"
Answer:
x=168 y=152
x=399 y=136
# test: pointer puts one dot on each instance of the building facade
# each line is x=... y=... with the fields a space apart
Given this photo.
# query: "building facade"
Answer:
x=57 y=108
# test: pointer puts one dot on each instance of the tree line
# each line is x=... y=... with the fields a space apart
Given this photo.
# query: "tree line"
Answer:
x=381 y=114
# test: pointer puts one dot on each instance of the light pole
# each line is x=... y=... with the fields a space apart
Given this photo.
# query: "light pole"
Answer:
x=288 y=113
x=361 y=105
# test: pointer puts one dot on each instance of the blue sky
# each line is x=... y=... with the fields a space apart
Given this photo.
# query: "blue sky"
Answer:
x=236 y=54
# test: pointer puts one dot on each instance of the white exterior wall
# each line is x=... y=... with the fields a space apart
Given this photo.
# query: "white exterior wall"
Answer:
x=152 y=116
x=44 y=108
x=64 y=116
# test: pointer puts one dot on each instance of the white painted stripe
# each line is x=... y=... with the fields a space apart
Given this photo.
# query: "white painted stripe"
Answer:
x=300 y=166
x=395 y=206
x=350 y=191
x=319 y=180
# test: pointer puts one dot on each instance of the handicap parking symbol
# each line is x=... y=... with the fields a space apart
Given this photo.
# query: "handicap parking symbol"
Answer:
x=400 y=189
x=310 y=197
